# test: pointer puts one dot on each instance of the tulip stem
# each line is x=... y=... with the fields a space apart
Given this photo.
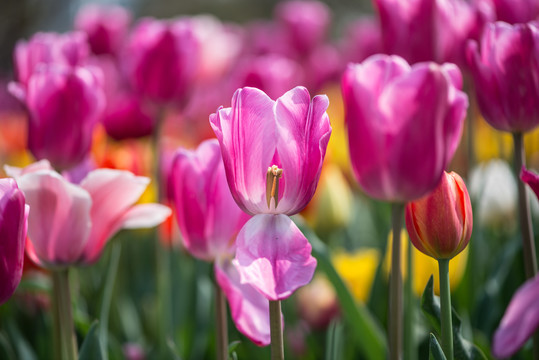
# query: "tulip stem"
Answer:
x=222 y=330
x=64 y=325
x=395 y=321
x=409 y=338
x=277 y=344
x=445 y=304
x=528 y=245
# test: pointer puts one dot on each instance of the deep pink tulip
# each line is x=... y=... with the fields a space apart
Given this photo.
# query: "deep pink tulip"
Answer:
x=430 y=30
x=161 y=58
x=305 y=22
x=64 y=105
x=209 y=221
x=515 y=11
x=440 y=223
x=362 y=38
x=105 y=26
x=530 y=178
x=13 y=224
x=208 y=216
x=273 y=153
x=506 y=75
x=70 y=224
x=257 y=132
x=69 y=49
x=519 y=322
x=404 y=124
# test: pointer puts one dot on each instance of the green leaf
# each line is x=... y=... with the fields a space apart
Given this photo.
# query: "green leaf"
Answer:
x=367 y=331
x=91 y=347
x=463 y=349
x=334 y=340
x=435 y=350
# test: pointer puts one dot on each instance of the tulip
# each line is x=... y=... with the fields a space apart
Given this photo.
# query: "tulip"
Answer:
x=14 y=215
x=430 y=30
x=404 y=124
x=506 y=74
x=305 y=22
x=362 y=38
x=158 y=51
x=209 y=220
x=515 y=11
x=105 y=26
x=440 y=224
x=71 y=224
x=64 y=104
x=68 y=49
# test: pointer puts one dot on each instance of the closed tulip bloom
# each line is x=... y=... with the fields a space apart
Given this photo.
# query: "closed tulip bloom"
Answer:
x=13 y=224
x=430 y=30
x=404 y=124
x=305 y=22
x=105 y=26
x=515 y=11
x=208 y=217
x=68 y=49
x=71 y=224
x=273 y=153
x=161 y=58
x=506 y=74
x=64 y=105
x=440 y=224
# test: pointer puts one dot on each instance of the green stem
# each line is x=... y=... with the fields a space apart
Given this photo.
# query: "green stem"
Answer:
x=445 y=304
x=409 y=338
x=395 y=322
x=528 y=245
x=107 y=297
x=277 y=344
x=64 y=326
x=222 y=331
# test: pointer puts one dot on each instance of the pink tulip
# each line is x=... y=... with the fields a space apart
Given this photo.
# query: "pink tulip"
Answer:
x=430 y=30
x=273 y=153
x=209 y=221
x=105 y=26
x=440 y=224
x=71 y=224
x=64 y=104
x=161 y=58
x=506 y=75
x=305 y=23
x=519 y=322
x=530 y=178
x=515 y=11
x=404 y=124
x=13 y=224
x=68 y=49
x=362 y=39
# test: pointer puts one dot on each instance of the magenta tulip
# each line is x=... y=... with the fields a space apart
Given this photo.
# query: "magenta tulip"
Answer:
x=273 y=153
x=209 y=221
x=362 y=38
x=530 y=178
x=161 y=58
x=68 y=49
x=506 y=75
x=515 y=11
x=404 y=124
x=440 y=223
x=105 y=26
x=519 y=322
x=305 y=22
x=13 y=224
x=430 y=30
x=64 y=105
x=71 y=224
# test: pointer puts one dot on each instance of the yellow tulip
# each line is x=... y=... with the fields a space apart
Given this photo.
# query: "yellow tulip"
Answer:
x=357 y=269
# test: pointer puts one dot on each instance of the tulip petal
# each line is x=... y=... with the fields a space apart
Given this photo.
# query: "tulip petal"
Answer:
x=16 y=172
x=274 y=256
x=530 y=178
x=144 y=216
x=113 y=192
x=520 y=320
x=59 y=222
x=249 y=308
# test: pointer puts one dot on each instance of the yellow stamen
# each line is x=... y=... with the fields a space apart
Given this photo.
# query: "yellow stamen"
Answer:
x=272 y=184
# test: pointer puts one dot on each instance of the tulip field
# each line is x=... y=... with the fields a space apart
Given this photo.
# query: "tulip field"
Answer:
x=317 y=183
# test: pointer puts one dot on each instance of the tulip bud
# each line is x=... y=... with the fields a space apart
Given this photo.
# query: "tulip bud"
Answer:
x=13 y=226
x=440 y=224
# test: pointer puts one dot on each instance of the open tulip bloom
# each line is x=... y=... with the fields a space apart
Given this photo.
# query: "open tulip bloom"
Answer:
x=209 y=220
